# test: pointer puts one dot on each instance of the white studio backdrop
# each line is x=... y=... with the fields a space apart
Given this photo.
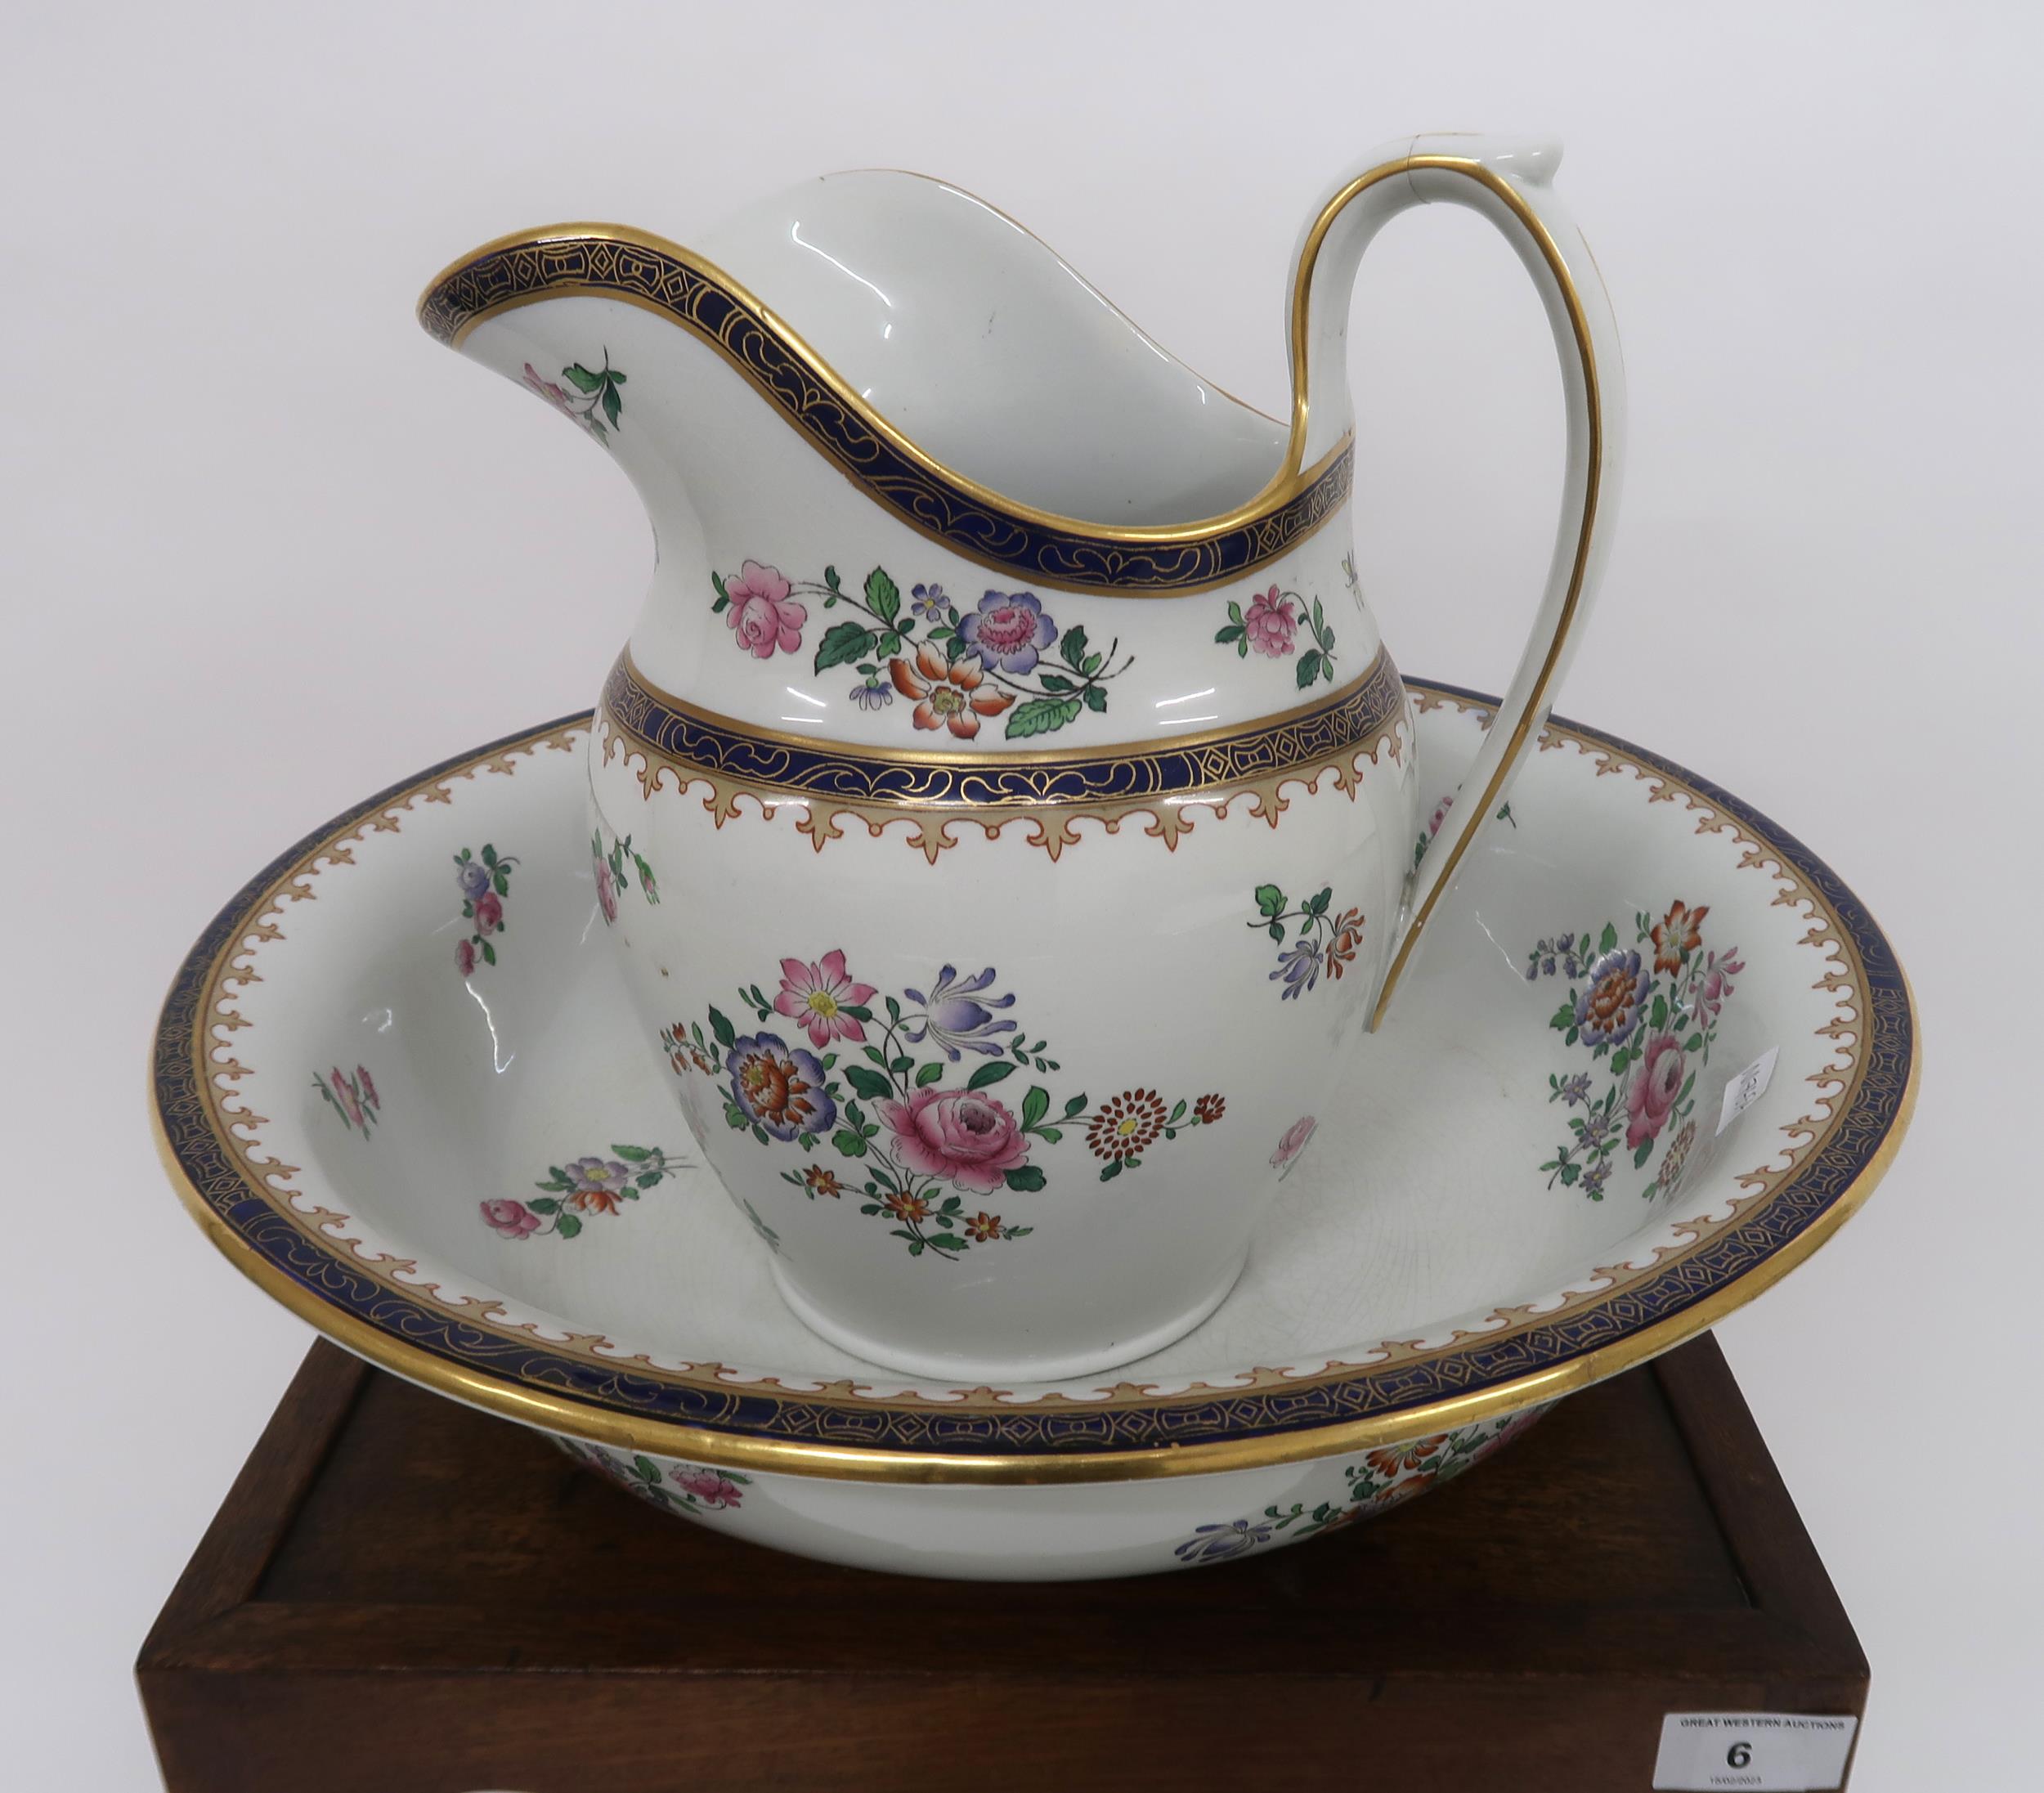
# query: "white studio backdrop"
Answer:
x=264 y=548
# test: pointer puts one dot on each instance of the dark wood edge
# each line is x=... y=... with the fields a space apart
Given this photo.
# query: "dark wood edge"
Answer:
x=228 y=1566
x=1784 y=1576
x=1795 y=1622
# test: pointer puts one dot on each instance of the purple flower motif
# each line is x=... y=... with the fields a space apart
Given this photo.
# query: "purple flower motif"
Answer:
x=1008 y=631
x=956 y=1018
x=474 y=877
x=1595 y=1176
x=1575 y=1089
x=1218 y=1543
x=778 y=1089
x=1299 y=964
x=872 y=695
x=929 y=603
x=1608 y=1009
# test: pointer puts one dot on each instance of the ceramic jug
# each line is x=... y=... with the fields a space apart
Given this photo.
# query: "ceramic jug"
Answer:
x=1004 y=808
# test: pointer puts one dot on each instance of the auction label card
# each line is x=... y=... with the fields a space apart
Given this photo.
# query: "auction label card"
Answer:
x=1764 y=1752
x=1746 y=1088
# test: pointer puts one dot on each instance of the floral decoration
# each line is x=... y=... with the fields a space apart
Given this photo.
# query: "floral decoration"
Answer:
x=484 y=879
x=1297 y=1136
x=354 y=1098
x=1270 y=624
x=579 y=1189
x=762 y=616
x=1441 y=815
x=1325 y=942
x=686 y=1487
x=595 y=390
x=1383 y=1479
x=615 y=871
x=1650 y=1011
x=930 y=1148
x=957 y=668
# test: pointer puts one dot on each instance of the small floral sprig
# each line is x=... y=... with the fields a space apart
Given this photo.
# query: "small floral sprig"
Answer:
x=958 y=668
x=354 y=1098
x=595 y=390
x=697 y=1490
x=880 y=1082
x=582 y=1188
x=486 y=886
x=1381 y=1480
x=1324 y=942
x=1270 y=625
x=1650 y=1012
x=614 y=871
x=1441 y=815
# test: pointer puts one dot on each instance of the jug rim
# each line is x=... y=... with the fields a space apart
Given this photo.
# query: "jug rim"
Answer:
x=659 y=276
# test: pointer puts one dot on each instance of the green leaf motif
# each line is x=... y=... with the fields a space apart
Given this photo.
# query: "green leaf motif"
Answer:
x=845 y=642
x=567 y=1226
x=632 y=1154
x=1026 y=1178
x=928 y=1075
x=1608 y=940
x=989 y=1073
x=870 y=1084
x=1309 y=668
x=1042 y=716
x=883 y=594
x=1071 y=648
x=1270 y=900
x=1096 y=700
x=1035 y=1106
x=583 y=378
x=720 y=1025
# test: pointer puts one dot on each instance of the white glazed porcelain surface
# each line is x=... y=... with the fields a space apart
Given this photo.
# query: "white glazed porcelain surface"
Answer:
x=398 y=1125
x=966 y=839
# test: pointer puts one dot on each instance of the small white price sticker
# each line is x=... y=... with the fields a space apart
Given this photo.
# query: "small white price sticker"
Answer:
x=1764 y=1752
x=1746 y=1088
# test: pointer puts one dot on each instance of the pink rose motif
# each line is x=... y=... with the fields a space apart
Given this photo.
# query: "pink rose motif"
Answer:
x=762 y=615
x=553 y=394
x=369 y=1087
x=712 y=1489
x=1270 y=624
x=817 y=996
x=465 y=957
x=1296 y=1137
x=1651 y=1098
x=605 y=890
x=968 y=1138
x=352 y=1108
x=510 y=1220
x=489 y=912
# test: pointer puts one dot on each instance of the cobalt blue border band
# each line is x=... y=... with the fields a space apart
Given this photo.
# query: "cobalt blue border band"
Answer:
x=1768 y=1227
x=693 y=740
x=982 y=531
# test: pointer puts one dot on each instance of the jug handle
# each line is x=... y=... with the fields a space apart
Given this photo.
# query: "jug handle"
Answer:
x=1506 y=181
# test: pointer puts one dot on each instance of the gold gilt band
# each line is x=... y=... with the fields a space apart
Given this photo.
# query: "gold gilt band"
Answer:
x=662 y=735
